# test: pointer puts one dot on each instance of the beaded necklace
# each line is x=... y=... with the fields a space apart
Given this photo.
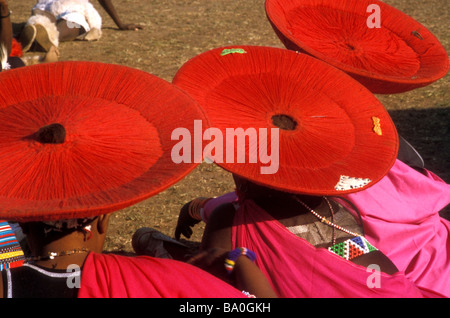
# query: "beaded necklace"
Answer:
x=52 y=255
x=349 y=249
x=324 y=220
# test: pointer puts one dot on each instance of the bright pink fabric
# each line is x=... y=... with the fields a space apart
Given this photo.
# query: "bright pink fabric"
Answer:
x=214 y=203
x=115 y=276
x=296 y=269
x=400 y=216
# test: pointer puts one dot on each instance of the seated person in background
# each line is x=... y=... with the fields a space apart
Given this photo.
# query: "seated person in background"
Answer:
x=10 y=50
x=55 y=21
x=11 y=53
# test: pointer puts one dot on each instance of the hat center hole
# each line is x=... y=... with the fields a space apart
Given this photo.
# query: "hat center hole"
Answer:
x=284 y=122
x=51 y=134
x=350 y=47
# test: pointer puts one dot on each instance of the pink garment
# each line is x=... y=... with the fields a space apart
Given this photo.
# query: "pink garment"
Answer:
x=297 y=269
x=214 y=203
x=400 y=217
x=114 y=276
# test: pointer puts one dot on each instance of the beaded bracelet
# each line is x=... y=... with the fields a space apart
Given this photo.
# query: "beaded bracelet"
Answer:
x=196 y=206
x=230 y=261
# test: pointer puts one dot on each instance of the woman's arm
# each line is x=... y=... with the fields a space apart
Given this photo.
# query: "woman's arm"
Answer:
x=248 y=277
x=216 y=244
x=217 y=231
x=111 y=10
x=245 y=275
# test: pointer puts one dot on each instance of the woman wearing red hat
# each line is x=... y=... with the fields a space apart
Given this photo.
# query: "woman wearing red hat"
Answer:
x=82 y=141
x=335 y=140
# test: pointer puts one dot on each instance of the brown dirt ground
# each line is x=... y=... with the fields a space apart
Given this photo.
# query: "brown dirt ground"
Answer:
x=177 y=30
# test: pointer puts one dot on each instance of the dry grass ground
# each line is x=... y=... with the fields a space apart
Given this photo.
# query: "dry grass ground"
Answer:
x=177 y=30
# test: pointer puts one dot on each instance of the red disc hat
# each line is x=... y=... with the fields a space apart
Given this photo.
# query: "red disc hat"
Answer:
x=334 y=136
x=79 y=139
x=397 y=55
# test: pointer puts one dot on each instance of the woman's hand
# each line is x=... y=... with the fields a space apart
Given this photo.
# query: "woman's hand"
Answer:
x=185 y=222
x=211 y=260
x=130 y=27
x=245 y=276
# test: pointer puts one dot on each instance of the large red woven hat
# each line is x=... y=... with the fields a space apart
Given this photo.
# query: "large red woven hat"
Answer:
x=396 y=56
x=335 y=137
x=78 y=139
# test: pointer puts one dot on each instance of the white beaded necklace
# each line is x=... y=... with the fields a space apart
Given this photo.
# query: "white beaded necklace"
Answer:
x=324 y=220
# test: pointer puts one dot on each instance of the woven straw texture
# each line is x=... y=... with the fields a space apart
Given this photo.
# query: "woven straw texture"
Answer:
x=117 y=149
x=399 y=56
x=333 y=114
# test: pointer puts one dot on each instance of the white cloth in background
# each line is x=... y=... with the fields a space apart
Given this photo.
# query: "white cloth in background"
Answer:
x=76 y=13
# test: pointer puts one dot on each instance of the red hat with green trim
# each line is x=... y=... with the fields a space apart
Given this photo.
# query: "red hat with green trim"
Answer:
x=308 y=127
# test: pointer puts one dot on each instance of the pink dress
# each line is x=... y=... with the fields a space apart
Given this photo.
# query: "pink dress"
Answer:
x=297 y=269
x=115 y=276
x=400 y=217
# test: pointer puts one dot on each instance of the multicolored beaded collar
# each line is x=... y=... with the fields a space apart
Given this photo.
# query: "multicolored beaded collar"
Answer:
x=352 y=248
x=348 y=249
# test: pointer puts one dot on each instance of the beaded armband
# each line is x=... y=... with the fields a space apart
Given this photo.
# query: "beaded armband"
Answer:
x=230 y=261
x=196 y=206
x=352 y=248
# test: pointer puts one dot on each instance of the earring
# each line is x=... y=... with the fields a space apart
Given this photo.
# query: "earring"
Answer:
x=87 y=232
